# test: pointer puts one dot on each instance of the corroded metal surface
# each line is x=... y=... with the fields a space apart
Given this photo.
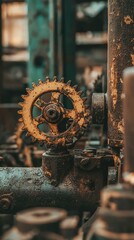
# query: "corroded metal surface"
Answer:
x=120 y=56
x=53 y=112
x=98 y=108
x=22 y=188
x=56 y=165
x=129 y=119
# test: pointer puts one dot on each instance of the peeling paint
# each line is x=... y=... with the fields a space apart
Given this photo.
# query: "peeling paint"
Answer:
x=128 y=20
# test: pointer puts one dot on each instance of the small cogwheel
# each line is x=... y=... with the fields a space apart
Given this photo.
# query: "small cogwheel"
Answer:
x=45 y=117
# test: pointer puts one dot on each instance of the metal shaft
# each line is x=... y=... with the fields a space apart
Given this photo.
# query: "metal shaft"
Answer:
x=129 y=119
x=120 y=56
x=22 y=188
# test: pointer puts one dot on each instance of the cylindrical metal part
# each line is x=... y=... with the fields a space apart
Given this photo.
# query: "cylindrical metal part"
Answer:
x=120 y=56
x=37 y=223
x=24 y=188
x=41 y=219
x=56 y=165
x=115 y=219
x=98 y=108
x=128 y=77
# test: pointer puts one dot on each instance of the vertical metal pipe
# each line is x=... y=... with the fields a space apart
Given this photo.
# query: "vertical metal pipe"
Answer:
x=55 y=20
x=120 y=56
x=39 y=40
x=53 y=37
x=69 y=39
x=129 y=119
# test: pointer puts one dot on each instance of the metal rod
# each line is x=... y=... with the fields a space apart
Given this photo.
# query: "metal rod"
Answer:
x=39 y=40
x=128 y=76
x=68 y=29
x=120 y=56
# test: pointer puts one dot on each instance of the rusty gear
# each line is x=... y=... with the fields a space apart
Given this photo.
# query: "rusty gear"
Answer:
x=53 y=113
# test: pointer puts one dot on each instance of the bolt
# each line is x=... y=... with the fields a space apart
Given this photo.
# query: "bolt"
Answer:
x=5 y=203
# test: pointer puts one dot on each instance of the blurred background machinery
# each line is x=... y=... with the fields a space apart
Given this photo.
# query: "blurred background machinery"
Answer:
x=68 y=143
x=40 y=38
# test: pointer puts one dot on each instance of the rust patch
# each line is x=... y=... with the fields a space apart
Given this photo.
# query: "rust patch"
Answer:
x=114 y=84
x=128 y=20
x=132 y=57
x=121 y=126
x=47 y=172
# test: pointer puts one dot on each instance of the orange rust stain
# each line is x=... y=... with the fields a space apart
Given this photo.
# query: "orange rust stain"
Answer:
x=114 y=84
x=47 y=173
x=112 y=120
x=128 y=20
x=121 y=126
x=132 y=57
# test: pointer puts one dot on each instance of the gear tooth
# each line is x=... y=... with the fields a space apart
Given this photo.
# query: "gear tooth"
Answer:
x=19 y=111
x=33 y=84
x=84 y=99
x=40 y=81
x=23 y=96
x=80 y=93
x=69 y=82
x=20 y=104
x=47 y=79
x=75 y=87
x=20 y=120
x=62 y=80
x=28 y=90
x=55 y=79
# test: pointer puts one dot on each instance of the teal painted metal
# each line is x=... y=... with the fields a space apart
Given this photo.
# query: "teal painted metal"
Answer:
x=60 y=38
x=55 y=20
x=39 y=44
x=68 y=32
x=45 y=39
x=69 y=39
x=51 y=39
